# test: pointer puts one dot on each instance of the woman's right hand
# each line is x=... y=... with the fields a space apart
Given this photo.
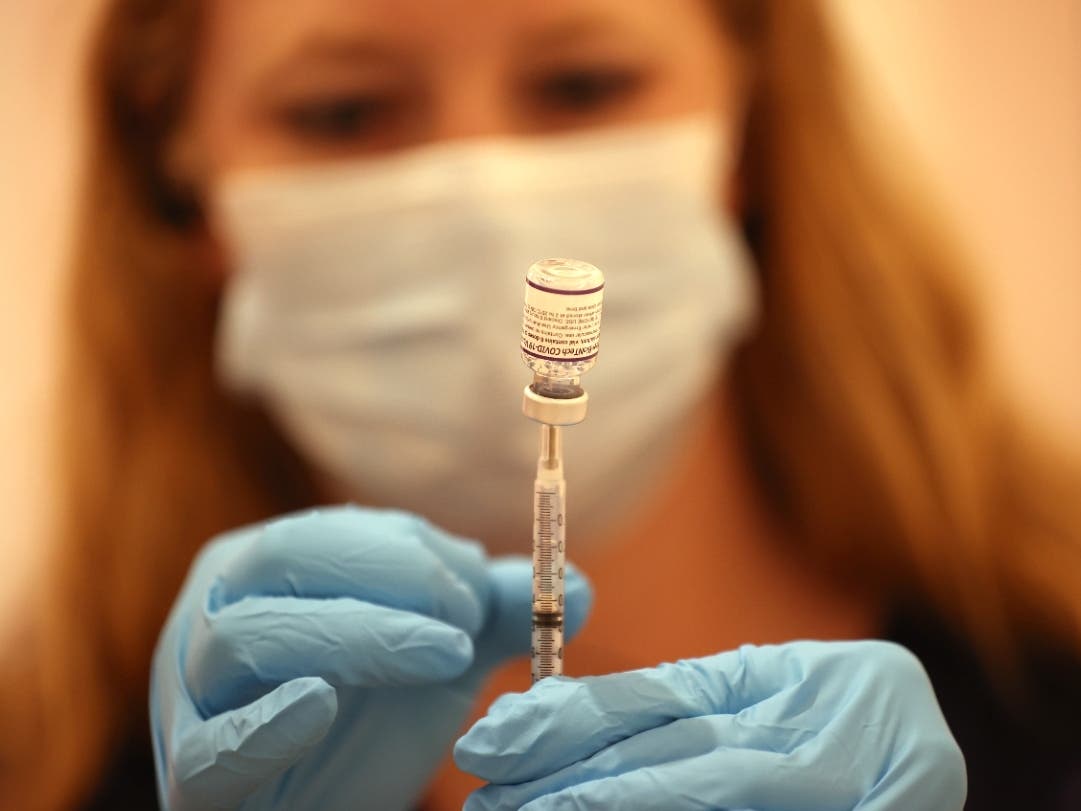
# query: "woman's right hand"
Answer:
x=327 y=660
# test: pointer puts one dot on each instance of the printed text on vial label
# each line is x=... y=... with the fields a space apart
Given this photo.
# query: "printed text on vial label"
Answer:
x=559 y=328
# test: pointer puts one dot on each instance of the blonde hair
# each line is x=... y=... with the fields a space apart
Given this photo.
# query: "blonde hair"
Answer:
x=870 y=418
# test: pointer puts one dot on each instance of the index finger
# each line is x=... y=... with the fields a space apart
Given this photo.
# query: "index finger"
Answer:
x=561 y=721
x=388 y=558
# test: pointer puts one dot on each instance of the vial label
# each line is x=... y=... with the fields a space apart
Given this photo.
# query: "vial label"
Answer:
x=561 y=325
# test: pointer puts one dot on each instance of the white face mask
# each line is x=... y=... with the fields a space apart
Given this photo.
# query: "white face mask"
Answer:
x=376 y=308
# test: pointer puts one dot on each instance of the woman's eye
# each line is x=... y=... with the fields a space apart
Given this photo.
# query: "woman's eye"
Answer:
x=339 y=119
x=585 y=91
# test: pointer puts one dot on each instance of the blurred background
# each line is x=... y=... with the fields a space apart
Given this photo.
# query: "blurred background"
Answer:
x=988 y=92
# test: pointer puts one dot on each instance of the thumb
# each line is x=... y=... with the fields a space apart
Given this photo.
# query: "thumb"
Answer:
x=507 y=630
x=222 y=760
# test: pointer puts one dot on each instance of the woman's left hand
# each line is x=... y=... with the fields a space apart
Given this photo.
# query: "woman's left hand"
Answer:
x=807 y=726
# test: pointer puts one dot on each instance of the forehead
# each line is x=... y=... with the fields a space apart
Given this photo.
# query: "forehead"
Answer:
x=263 y=30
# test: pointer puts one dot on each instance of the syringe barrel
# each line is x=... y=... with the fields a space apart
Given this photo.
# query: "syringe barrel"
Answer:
x=549 y=565
x=547 y=644
x=549 y=546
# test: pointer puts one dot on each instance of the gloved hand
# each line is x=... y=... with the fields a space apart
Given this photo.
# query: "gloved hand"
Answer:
x=327 y=660
x=807 y=726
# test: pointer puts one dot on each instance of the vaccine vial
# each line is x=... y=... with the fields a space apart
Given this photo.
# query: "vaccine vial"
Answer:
x=561 y=324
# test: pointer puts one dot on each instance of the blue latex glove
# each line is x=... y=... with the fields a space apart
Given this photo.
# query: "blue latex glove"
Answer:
x=327 y=660
x=807 y=726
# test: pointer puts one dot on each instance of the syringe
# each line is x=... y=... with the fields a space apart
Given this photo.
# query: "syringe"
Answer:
x=560 y=340
x=549 y=556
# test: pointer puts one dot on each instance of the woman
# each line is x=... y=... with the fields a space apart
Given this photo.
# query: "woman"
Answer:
x=868 y=471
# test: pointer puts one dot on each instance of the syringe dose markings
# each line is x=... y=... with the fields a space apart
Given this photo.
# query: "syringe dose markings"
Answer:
x=547 y=565
x=547 y=642
x=547 y=646
x=547 y=652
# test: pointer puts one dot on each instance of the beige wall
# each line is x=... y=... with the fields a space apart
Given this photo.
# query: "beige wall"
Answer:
x=991 y=90
x=39 y=46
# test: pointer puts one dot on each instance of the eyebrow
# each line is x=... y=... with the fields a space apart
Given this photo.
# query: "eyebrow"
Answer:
x=331 y=49
x=345 y=48
x=583 y=27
